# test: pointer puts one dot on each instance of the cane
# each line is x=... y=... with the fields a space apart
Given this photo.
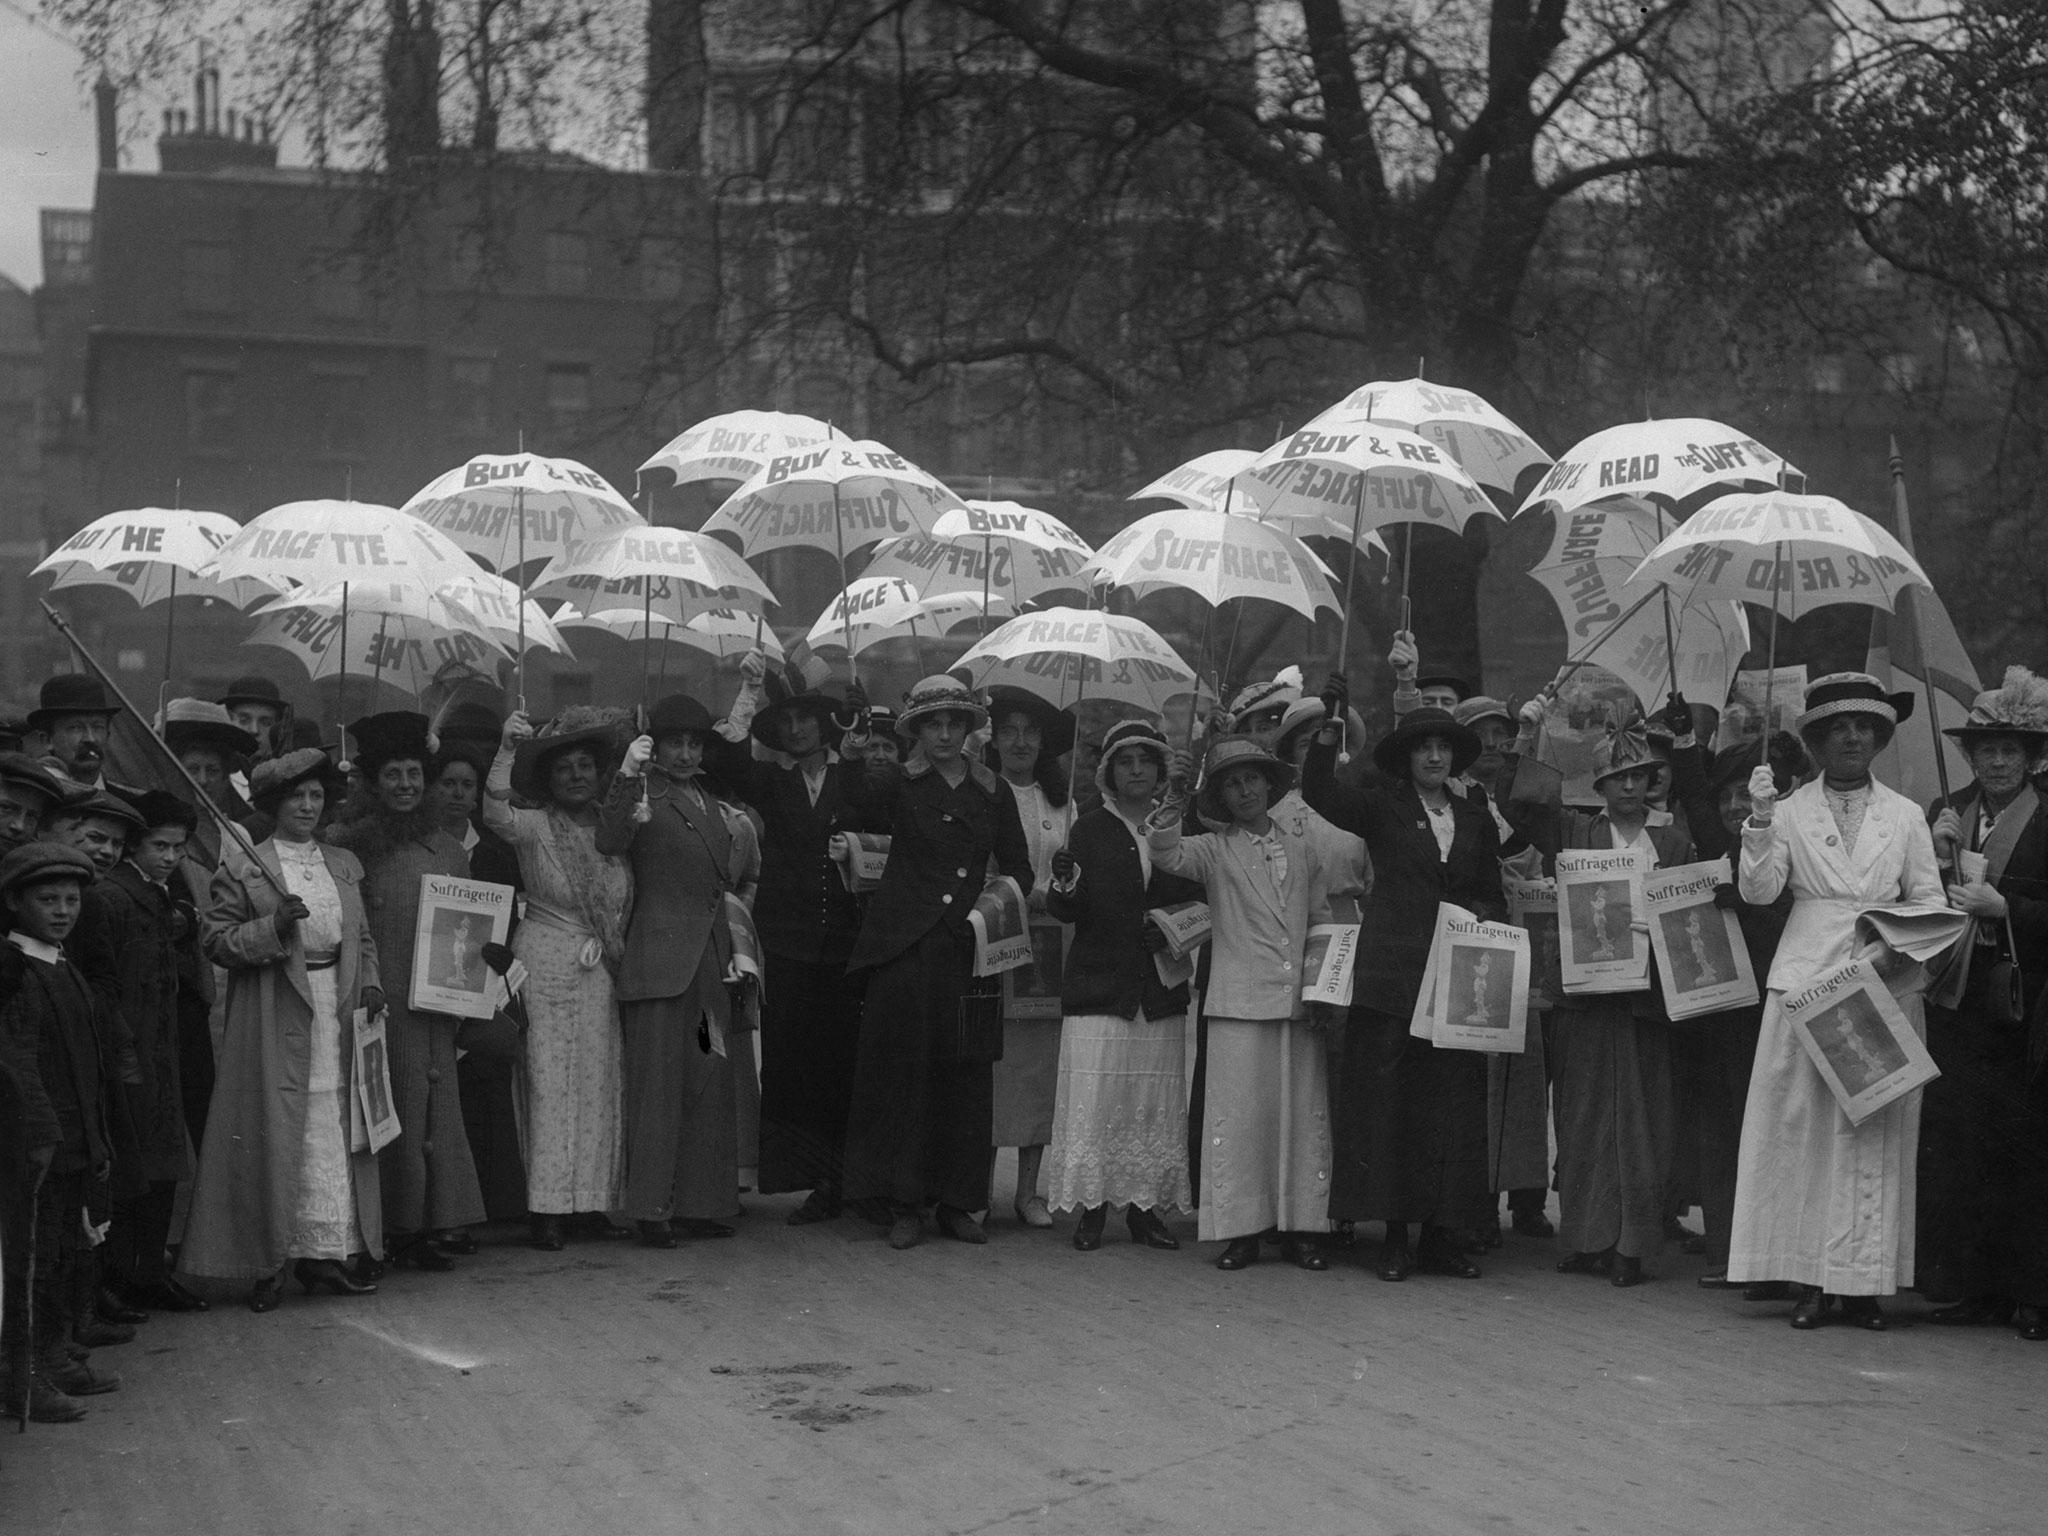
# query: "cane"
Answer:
x=28 y=1312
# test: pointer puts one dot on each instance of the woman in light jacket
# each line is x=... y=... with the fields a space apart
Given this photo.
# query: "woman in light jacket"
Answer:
x=1819 y=1202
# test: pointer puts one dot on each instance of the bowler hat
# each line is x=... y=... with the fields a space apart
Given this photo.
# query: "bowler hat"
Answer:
x=1450 y=680
x=1392 y=751
x=677 y=715
x=70 y=693
x=36 y=861
x=252 y=689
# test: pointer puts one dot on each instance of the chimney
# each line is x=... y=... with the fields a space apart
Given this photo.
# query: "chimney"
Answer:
x=106 y=101
x=196 y=144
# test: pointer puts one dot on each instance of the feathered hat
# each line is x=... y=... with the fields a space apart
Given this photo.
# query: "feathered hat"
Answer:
x=2018 y=707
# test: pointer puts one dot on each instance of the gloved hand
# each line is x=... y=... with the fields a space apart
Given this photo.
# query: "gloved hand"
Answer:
x=1064 y=867
x=839 y=849
x=517 y=729
x=1727 y=898
x=638 y=756
x=1763 y=796
x=1402 y=656
x=1532 y=712
x=1678 y=715
x=1336 y=697
x=753 y=667
x=287 y=917
x=372 y=1000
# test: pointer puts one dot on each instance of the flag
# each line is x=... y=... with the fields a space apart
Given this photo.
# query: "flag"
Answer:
x=1916 y=649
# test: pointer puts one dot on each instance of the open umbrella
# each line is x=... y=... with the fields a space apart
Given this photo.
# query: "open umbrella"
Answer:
x=326 y=543
x=878 y=608
x=735 y=445
x=405 y=637
x=514 y=619
x=1009 y=553
x=1064 y=654
x=1203 y=483
x=1217 y=557
x=1483 y=442
x=720 y=632
x=1682 y=460
x=512 y=509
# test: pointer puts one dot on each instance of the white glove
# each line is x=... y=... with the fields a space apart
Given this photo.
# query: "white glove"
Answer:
x=518 y=728
x=637 y=757
x=1402 y=655
x=753 y=667
x=1531 y=713
x=1763 y=795
x=839 y=849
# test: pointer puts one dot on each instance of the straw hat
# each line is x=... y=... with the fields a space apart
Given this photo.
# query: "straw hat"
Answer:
x=1854 y=693
x=1229 y=753
x=938 y=695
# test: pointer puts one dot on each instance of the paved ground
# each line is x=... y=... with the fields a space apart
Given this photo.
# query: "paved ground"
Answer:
x=812 y=1381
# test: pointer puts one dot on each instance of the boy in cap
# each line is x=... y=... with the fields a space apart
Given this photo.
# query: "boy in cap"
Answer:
x=26 y=795
x=50 y=1033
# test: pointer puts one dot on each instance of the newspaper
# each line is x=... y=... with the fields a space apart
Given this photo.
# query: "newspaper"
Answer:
x=1742 y=722
x=866 y=857
x=1002 y=927
x=373 y=1100
x=1859 y=1041
x=1920 y=932
x=1185 y=927
x=1330 y=957
x=457 y=918
x=1033 y=991
x=1600 y=899
x=1475 y=989
x=1704 y=964
x=1532 y=907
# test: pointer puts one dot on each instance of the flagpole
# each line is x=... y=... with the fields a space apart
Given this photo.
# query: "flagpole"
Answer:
x=1904 y=518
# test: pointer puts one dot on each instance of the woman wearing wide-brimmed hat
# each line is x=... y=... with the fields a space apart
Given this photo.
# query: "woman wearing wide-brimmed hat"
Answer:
x=1029 y=739
x=1266 y=1128
x=1984 y=1154
x=572 y=940
x=1821 y=1203
x=1410 y=1119
x=1610 y=1056
x=923 y=1096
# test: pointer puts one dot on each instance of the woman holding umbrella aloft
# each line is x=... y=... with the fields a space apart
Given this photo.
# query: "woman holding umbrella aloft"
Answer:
x=1410 y=1118
x=1030 y=739
x=1819 y=1202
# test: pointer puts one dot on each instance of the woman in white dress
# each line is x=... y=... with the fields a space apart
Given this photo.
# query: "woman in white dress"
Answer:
x=571 y=940
x=1821 y=1203
x=1030 y=738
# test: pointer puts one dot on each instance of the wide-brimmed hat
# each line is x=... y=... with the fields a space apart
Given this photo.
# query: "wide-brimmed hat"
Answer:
x=1142 y=734
x=1307 y=714
x=939 y=695
x=70 y=693
x=2017 y=707
x=582 y=727
x=21 y=771
x=393 y=736
x=44 y=861
x=471 y=723
x=1391 y=752
x=270 y=781
x=1266 y=695
x=1626 y=749
x=253 y=689
x=1854 y=693
x=1236 y=752
x=195 y=723
x=1055 y=725
x=791 y=695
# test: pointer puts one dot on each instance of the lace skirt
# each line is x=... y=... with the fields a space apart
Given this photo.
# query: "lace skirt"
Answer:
x=1120 y=1122
x=324 y=1222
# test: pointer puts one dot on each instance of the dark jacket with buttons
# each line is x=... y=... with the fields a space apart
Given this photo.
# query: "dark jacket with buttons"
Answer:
x=677 y=935
x=1110 y=968
x=803 y=910
x=944 y=839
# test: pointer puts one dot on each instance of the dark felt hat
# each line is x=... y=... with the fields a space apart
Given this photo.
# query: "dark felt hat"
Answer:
x=785 y=701
x=253 y=689
x=393 y=736
x=70 y=693
x=1458 y=685
x=1055 y=725
x=36 y=861
x=1391 y=754
x=12 y=732
x=272 y=780
x=160 y=808
x=471 y=722
x=677 y=714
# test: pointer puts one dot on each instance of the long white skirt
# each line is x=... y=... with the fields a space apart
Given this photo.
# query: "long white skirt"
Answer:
x=569 y=1115
x=324 y=1221
x=1266 y=1139
x=1819 y=1201
x=1120 y=1118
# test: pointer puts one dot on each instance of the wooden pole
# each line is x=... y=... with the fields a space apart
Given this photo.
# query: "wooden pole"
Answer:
x=1904 y=517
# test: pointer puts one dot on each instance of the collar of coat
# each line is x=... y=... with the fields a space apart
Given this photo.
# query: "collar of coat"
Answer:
x=980 y=775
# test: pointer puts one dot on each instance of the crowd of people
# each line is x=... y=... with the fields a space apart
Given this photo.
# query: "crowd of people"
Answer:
x=711 y=993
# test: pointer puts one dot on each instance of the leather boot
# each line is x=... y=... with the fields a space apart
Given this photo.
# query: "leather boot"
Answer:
x=1088 y=1234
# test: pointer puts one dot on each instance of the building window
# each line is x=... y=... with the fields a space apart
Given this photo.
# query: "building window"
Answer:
x=568 y=262
x=338 y=286
x=341 y=429
x=210 y=410
x=466 y=258
x=661 y=267
x=469 y=398
x=67 y=247
x=209 y=273
x=568 y=396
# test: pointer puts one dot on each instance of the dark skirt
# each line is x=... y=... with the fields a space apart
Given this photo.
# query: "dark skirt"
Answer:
x=810 y=1040
x=1610 y=1078
x=1409 y=1129
x=1983 y=1162
x=919 y=1121
x=681 y=1134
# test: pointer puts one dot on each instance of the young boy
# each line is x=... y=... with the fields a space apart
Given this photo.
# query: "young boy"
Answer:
x=49 y=1031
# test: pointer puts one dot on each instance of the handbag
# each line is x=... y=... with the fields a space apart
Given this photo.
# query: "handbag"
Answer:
x=2005 y=993
x=501 y=1037
x=978 y=1035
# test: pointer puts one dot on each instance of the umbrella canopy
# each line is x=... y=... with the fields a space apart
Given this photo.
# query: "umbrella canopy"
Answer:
x=152 y=554
x=1203 y=483
x=1359 y=477
x=687 y=572
x=510 y=510
x=721 y=632
x=1217 y=557
x=1065 y=654
x=878 y=608
x=324 y=543
x=1007 y=571
x=507 y=613
x=1789 y=553
x=735 y=445
x=1675 y=460
x=1485 y=444
x=1010 y=522
x=402 y=637
x=1593 y=552
x=837 y=496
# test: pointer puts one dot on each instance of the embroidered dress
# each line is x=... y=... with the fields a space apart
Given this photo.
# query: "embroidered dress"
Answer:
x=324 y=1224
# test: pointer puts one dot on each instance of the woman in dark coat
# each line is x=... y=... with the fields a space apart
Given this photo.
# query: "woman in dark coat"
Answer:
x=923 y=1092
x=280 y=1177
x=1410 y=1120
x=1984 y=1146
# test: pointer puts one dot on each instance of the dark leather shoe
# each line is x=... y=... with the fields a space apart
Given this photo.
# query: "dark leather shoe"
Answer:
x=1303 y=1252
x=1242 y=1253
x=1443 y=1259
x=1771 y=1290
x=265 y=1294
x=1973 y=1313
x=422 y=1253
x=331 y=1276
x=110 y=1308
x=1719 y=1281
x=46 y=1405
x=1586 y=1263
x=367 y=1269
x=697 y=1226
x=818 y=1206
x=1397 y=1262
x=960 y=1226
x=545 y=1233
x=75 y=1378
x=1146 y=1227
x=167 y=1296
x=1813 y=1310
x=1088 y=1232
x=906 y=1231
x=656 y=1234
x=456 y=1240
x=1864 y=1312
x=1532 y=1224
x=94 y=1334
x=1627 y=1272
x=2031 y=1323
